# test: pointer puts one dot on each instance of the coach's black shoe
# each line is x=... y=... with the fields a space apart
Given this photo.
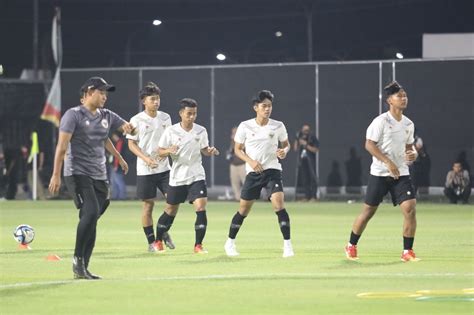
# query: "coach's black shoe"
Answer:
x=79 y=269
x=168 y=241
x=93 y=276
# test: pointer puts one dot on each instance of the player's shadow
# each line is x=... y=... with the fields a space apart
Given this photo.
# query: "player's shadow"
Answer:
x=351 y=264
x=32 y=289
x=222 y=259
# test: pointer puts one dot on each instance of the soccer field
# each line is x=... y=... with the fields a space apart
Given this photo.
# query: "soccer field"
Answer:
x=318 y=280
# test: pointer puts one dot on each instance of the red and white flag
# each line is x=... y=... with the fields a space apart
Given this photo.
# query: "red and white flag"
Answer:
x=52 y=108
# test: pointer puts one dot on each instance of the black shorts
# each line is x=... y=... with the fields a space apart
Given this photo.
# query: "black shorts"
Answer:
x=82 y=187
x=254 y=182
x=147 y=185
x=400 y=189
x=193 y=191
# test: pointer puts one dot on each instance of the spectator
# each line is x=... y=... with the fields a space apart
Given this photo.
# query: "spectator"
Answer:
x=457 y=187
x=119 y=189
x=354 y=172
x=307 y=145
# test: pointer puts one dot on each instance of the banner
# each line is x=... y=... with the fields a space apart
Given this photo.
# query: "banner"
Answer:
x=52 y=108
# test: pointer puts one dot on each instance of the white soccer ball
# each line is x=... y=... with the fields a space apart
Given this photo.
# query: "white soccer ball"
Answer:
x=24 y=234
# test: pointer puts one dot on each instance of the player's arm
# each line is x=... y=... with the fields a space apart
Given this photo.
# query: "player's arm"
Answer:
x=312 y=148
x=410 y=152
x=109 y=146
x=165 y=152
x=127 y=128
x=285 y=147
x=239 y=149
x=61 y=148
x=373 y=149
x=133 y=146
x=209 y=151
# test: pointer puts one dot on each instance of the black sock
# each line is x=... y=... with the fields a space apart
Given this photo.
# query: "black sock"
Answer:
x=235 y=225
x=200 y=226
x=163 y=225
x=284 y=221
x=354 y=238
x=408 y=242
x=149 y=233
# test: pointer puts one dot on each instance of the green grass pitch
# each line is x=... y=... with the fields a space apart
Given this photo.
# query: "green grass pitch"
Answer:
x=318 y=280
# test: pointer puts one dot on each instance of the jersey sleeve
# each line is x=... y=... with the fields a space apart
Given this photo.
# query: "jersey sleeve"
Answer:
x=411 y=134
x=240 y=134
x=282 y=133
x=165 y=139
x=374 y=131
x=134 y=123
x=204 y=139
x=68 y=122
x=116 y=121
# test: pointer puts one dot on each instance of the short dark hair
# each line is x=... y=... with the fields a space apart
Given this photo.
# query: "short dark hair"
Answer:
x=149 y=89
x=262 y=95
x=392 y=88
x=187 y=102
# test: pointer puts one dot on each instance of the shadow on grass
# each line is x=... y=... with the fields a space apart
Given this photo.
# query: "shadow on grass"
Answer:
x=32 y=289
x=351 y=264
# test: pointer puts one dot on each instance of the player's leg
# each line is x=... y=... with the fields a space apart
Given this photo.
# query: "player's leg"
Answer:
x=82 y=188
x=146 y=191
x=403 y=194
x=174 y=197
x=275 y=184
x=377 y=188
x=162 y=182
x=197 y=195
x=147 y=223
x=249 y=193
x=200 y=225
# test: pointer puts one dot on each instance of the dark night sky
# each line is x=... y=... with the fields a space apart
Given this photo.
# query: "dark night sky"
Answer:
x=95 y=32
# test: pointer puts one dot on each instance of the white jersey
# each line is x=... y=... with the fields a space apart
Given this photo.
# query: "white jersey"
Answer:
x=149 y=133
x=187 y=162
x=391 y=137
x=261 y=142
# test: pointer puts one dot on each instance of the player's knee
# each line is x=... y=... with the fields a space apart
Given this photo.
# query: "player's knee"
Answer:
x=148 y=206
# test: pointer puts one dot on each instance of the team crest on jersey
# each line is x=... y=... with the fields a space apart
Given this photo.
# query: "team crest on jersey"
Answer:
x=271 y=134
x=197 y=138
x=163 y=126
x=104 y=123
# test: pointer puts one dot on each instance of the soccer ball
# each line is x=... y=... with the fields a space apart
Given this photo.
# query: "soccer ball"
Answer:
x=24 y=234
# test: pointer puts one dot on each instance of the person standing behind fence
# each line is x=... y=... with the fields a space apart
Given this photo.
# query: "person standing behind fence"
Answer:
x=307 y=145
x=153 y=172
x=83 y=134
x=237 y=167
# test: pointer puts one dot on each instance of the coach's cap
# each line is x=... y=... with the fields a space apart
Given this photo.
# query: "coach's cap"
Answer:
x=97 y=83
x=392 y=88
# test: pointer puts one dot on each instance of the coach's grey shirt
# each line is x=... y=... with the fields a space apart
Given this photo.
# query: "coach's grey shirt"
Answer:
x=86 y=151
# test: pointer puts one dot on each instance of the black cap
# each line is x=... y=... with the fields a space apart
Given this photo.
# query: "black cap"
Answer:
x=392 y=88
x=97 y=83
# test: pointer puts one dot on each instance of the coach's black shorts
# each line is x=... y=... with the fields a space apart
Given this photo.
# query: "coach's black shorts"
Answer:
x=254 y=182
x=88 y=192
x=193 y=191
x=147 y=185
x=400 y=189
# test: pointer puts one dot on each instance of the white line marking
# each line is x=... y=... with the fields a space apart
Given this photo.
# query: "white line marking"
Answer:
x=279 y=276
